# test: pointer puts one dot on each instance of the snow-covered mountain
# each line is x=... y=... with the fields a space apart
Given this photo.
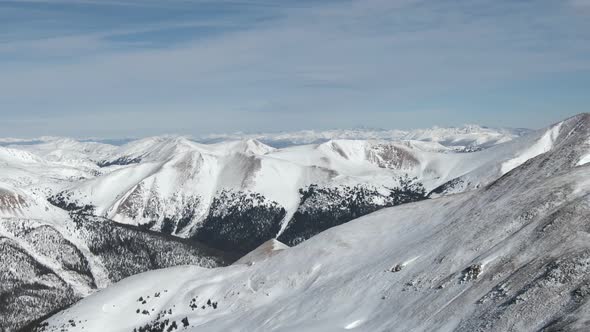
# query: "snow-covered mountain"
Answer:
x=235 y=195
x=69 y=151
x=188 y=189
x=77 y=216
x=468 y=137
x=50 y=259
x=465 y=138
x=510 y=255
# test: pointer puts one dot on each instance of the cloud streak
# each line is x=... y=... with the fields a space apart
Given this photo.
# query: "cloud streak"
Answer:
x=297 y=66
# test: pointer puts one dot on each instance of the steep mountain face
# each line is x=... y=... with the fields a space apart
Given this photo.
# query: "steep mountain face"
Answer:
x=28 y=289
x=59 y=197
x=45 y=271
x=322 y=208
x=76 y=217
x=241 y=221
x=236 y=195
x=501 y=159
x=50 y=260
x=512 y=255
x=191 y=190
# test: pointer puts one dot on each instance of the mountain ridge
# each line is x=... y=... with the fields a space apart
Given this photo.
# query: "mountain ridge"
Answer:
x=510 y=255
x=230 y=196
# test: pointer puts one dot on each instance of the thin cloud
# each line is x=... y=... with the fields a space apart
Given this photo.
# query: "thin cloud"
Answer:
x=580 y=3
x=360 y=57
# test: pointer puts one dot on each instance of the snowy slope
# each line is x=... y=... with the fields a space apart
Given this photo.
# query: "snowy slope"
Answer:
x=235 y=195
x=479 y=168
x=25 y=170
x=16 y=203
x=49 y=260
x=172 y=166
x=513 y=255
x=179 y=187
x=264 y=251
x=68 y=151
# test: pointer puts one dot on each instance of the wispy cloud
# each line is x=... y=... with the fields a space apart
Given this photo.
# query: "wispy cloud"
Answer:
x=580 y=3
x=364 y=58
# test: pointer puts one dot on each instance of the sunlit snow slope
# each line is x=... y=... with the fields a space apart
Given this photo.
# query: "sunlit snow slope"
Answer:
x=50 y=259
x=235 y=195
x=513 y=255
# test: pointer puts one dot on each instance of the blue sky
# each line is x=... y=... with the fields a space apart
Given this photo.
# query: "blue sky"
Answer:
x=117 y=68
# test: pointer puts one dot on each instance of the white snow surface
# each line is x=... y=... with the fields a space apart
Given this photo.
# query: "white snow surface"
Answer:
x=488 y=231
x=176 y=169
x=264 y=251
x=32 y=172
x=173 y=171
x=586 y=157
x=68 y=150
x=544 y=144
x=341 y=279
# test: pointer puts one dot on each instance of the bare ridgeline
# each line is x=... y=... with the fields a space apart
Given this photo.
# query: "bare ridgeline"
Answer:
x=474 y=239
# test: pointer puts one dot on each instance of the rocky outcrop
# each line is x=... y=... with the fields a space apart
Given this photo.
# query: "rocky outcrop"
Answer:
x=43 y=271
x=325 y=207
x=240 y=221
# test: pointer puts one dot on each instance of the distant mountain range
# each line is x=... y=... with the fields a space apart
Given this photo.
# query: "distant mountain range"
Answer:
x=467 y=137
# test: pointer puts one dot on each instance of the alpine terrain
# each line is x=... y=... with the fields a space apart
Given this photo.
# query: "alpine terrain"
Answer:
x=467 y=229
